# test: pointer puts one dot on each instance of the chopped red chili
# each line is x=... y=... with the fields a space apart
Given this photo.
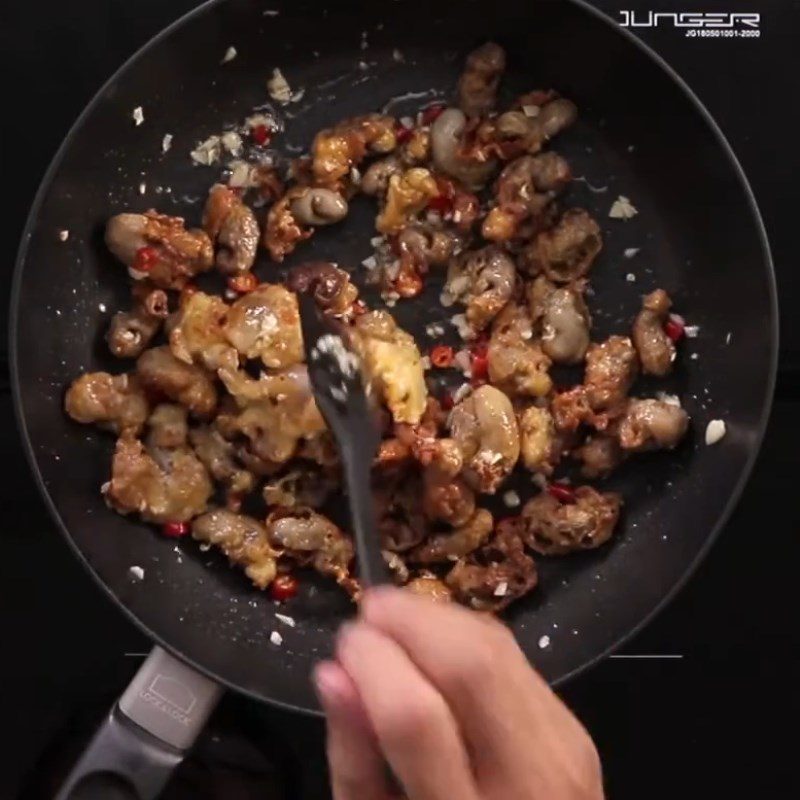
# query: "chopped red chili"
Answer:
x=562 y=492
x=175 y=529
x=432 y=113
x=261 y=134
x=442 y=356
x=403 y=134
x=675 y=328
x=284 y=587
x=145 y=259
x=447 y=401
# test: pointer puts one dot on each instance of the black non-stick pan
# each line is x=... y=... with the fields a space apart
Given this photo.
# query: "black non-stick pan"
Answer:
x=641 y=134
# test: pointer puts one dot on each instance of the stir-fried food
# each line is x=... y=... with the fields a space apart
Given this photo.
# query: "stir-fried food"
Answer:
x=218 y=432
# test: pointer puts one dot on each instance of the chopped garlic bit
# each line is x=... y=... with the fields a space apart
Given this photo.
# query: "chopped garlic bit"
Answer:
x=531 y=111
x=544 y=642
x=669 y=399
x=434 y=329
x=465 y=330
x=622 y=208
x=232 y=142
x=426 y=362
x=207 y=152
x=539 y=480
x=715 y=430
x=230 y=54
x=286 y=620
x=270 y=13
x=101 y=307
x=63 y=235
x=502 y=589
x=278 y=88
x=728 y=338
x=166 y=142
x=142 y=187
x=138 y=116
x=398 y=56
x=630 y=277
x=630 y=252
x=511 y=499
x=276 y=638
x=691 y=331
x=370 y=263
x=136 y=572
x=463 y=391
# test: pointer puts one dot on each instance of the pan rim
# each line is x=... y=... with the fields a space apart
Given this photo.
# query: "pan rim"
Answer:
x=666 y=599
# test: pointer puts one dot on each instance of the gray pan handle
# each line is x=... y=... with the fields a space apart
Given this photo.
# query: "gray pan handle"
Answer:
x=146 y=734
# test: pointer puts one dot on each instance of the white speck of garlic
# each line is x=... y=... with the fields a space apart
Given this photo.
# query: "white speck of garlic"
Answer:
x=276 y=638
x=544 y=642
x=715 y=430
x=622 y=208
x=511 y=499
x=230 y=54
x=138 y=116
x=142 y=187
x=502 y=589
x=398 y=56
x=630 y=277
x=136 y=572
x=691 y=331
x=728 y=338
x=101 y=307
x=286 y=620
x=63 y=235
x=630 y=252
x=278 y=88
x=166 y=142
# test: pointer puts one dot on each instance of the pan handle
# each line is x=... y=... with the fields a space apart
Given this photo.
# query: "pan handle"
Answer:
x=146 y=733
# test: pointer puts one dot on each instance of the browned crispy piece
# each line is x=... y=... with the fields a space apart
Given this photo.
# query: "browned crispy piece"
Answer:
x=174 y=255
x=191 y=386
x=313 y=539
x=656 y=350
x=283 y=232
x=611 y=368
x=161 y=486
x=461 y=541
x=480 y=80
x=232 y=226
x=130 y=332
x=337 y=150
x=244 y=541
x=497 y=573
x=551 y=527
x=115 y=402
x=652 y=425
x=565 y=252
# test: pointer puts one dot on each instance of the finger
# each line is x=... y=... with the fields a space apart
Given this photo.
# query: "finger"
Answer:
x=355 y=761
x=476 y=665
x=416 y=730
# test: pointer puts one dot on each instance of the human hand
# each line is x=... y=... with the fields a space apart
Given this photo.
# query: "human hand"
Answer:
x=448 y=700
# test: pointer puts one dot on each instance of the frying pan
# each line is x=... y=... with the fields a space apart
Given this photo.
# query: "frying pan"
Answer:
x=641 y=133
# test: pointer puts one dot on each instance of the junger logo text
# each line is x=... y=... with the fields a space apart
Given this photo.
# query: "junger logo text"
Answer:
x=689 y=19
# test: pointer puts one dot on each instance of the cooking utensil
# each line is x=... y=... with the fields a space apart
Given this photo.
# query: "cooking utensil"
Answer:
x=343 y=402
x=642 y=134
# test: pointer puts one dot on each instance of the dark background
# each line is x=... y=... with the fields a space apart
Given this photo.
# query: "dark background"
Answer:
x=717 y=722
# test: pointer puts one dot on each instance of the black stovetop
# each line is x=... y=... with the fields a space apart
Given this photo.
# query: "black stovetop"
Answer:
x=710 y=723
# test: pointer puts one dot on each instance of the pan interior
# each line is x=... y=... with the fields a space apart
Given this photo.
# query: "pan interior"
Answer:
x=697 y=235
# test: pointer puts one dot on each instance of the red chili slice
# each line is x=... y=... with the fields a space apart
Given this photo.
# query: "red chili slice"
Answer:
x=432 y=113
x=403 y=134
x=284 y=587
x=174 y=530
x=562 y=492
x=442 y=356
x=145 y=259
x=261 y=135
x=675 y=329
x=447 y=401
